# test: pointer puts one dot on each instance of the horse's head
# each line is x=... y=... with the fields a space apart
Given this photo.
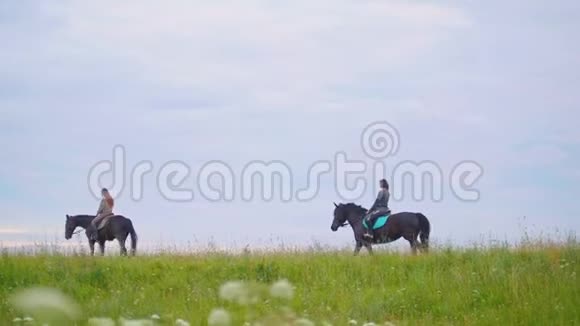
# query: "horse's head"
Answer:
x=340 y=216
x=344 y=213
x=69 y=227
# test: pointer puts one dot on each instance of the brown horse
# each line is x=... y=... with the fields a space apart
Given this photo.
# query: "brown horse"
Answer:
x=405 y=224
x=118 y=227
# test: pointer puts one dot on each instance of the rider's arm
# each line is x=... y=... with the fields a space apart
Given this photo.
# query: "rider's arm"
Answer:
x=379 y=196
x=101 y=207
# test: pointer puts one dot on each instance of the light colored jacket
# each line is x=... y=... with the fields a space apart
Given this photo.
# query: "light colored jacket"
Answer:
x=104 y=208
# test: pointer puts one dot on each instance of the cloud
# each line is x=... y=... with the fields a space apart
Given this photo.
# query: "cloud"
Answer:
x=12 y=231
x=262 y=57
x=12 y=227
x=298 y=81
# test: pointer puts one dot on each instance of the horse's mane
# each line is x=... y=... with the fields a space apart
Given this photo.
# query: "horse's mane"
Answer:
x=353 y=206
x=83 y=216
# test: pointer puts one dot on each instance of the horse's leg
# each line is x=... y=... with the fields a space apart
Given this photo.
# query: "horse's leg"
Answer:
x=102 y=247
x=424 y=247
x=122 y=245
x=414 y=246
x=369 y=247
x=412 y=238
x=357 y=248
x=92 y=247
x=424 y=243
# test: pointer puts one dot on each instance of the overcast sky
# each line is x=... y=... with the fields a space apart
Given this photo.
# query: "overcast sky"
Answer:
x=239 y=81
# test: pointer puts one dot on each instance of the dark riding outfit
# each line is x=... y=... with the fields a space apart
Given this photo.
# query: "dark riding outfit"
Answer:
x=379 y=208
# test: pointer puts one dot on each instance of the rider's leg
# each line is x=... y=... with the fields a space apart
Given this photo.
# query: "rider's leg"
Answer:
x=369 y=219
x=93 y=227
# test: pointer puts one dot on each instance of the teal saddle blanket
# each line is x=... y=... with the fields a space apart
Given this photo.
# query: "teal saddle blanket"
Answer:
x=379 y=223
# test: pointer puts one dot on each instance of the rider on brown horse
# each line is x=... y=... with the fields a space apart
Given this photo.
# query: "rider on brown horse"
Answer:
x=105 y=209
x=379 y=208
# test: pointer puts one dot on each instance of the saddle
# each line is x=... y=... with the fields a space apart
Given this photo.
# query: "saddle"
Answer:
x=381 y=217
x=105 y=221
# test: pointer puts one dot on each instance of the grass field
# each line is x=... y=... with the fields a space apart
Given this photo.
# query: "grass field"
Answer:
x=531 y=285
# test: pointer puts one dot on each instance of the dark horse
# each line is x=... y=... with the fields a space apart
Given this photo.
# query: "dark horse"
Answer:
x=405 y=224
x=118 y=227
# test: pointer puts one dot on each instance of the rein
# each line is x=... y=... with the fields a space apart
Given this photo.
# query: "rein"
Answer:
x=345 y=223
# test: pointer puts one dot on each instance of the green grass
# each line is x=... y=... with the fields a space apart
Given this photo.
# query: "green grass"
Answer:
x=525 y=286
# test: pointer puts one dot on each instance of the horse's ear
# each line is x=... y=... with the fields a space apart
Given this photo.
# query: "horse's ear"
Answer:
x=67 y=217
x=335 y=205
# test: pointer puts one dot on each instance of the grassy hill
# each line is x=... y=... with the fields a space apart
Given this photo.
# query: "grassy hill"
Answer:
x=498 y=286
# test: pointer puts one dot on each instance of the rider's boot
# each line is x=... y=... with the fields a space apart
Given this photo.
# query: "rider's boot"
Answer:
x=369 y=229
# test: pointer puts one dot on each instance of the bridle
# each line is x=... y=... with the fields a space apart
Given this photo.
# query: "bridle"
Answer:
x=76 y=232
x=345 y=223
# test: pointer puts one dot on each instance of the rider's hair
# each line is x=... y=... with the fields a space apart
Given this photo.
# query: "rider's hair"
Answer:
x=384 y=184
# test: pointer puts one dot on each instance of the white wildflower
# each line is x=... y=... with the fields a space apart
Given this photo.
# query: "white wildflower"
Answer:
x=235 y=291
x=369 y=324
x=219 y=317
x=181 y=322
x=101 y=322
x=155 y=317
x=282 y=289
x=303 y=322
x=352 y=322
x=135 y=322
x=45 y=304
x=17 y=320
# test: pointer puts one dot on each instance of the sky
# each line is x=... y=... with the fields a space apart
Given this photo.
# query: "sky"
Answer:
x=491 y=82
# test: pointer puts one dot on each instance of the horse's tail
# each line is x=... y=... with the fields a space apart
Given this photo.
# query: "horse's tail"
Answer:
x=133 y=235
x=424 y=230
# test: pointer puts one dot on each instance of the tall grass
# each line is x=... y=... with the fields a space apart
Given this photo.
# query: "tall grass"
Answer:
x=530 y=285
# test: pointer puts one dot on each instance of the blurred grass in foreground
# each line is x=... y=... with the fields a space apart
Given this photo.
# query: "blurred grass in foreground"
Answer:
x=531 y=284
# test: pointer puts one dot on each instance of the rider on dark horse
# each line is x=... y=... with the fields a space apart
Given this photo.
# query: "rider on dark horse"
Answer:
x=105 y=209
x=379 y=208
